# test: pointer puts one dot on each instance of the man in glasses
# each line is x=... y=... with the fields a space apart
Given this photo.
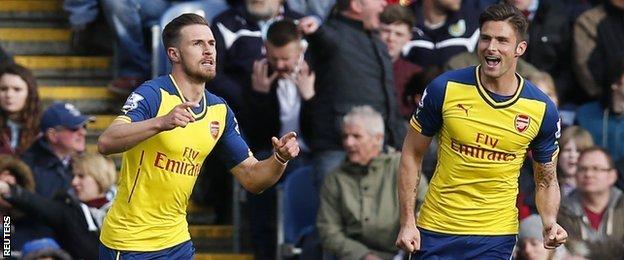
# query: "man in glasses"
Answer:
x=594 y=212
x=63 y=134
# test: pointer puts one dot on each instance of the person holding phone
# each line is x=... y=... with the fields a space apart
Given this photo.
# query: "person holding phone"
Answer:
x=282 y=87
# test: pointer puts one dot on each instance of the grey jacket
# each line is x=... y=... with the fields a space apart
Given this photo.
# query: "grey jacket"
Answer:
x=573 y=219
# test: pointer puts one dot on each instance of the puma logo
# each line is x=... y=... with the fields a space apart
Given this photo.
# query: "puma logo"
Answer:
x=464 y=107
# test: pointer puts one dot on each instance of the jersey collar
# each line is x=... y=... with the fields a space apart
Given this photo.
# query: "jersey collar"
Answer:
x=199 y=115
x=488 y=97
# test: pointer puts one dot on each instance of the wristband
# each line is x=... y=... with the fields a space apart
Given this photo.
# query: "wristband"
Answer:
x=280 y=159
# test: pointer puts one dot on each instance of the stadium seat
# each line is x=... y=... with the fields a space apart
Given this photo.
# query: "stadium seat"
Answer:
x=206 y=8
x=297 y=206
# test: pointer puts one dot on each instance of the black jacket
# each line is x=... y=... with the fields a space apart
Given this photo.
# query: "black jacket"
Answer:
x=550 y=47
x=66 y=217
x=264 y=109
x=352 y=68
x=606 y=58
x=51 y=176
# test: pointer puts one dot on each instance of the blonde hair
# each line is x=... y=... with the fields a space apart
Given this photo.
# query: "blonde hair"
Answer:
x=581 y=137
x=97 y=166
x=543 y=80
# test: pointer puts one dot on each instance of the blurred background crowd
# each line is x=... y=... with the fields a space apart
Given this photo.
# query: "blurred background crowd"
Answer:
x=346 y=75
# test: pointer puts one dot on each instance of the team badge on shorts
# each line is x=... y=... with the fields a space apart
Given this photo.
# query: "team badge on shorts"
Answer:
x=214 y=129
x=522 y=122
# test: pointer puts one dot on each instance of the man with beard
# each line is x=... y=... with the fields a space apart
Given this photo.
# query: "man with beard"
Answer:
x=486 y=118
x=282 y=85
x=239 y=32
x=168 y=127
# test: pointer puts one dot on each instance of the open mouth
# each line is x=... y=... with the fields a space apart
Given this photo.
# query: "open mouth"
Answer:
x=208 y=62
x=492 y=61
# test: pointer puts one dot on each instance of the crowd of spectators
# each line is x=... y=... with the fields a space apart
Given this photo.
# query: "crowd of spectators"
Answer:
x=346 y=75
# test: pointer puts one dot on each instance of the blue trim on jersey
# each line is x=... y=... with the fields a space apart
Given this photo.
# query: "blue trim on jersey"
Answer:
x=144 y=103
x=429 y=112
x=231 y=148
x=435 y=245
x=183 y=251
x=545 y=143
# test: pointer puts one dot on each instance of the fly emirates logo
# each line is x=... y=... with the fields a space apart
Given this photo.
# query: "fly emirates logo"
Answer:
x=185 y=166
x=481 y=150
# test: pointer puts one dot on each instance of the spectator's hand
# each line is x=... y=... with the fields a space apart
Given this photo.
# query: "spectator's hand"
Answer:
x=371 y=256
x=304 y=79
x=308 y=25
x=4 y=188
x=260 y=79
x=286 y=147
x=409 y=238
x=554 y=236
x=7 y=177
x=179 y=116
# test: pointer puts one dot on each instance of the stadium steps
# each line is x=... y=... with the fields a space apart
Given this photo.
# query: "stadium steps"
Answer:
x=37 y=34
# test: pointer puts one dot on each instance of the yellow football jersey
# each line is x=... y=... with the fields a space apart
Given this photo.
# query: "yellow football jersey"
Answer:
x=484 y=138
x=157 y=175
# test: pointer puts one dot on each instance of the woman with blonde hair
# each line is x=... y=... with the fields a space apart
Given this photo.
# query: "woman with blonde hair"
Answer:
x=573 y=141
x=76 y=214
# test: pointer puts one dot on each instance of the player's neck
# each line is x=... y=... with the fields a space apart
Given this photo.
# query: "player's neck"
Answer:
x=191 y=89
x=505 y=85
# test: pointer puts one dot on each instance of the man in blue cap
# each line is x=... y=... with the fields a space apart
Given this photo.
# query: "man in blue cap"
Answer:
x=63 y=134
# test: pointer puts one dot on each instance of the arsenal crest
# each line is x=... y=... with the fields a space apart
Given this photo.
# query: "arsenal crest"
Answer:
x=214 y=129
x=522 y=122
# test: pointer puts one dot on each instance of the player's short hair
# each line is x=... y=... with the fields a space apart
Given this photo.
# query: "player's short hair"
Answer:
x=508 y=13
x=599 y=149
x=283 y=32
x=97 y=166
x=396 y=13
x=368 y=117
x=171 y=33
x=581 y=137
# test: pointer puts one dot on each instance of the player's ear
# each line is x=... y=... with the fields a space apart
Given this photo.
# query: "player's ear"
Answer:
x=521 y=48
x=173 y=54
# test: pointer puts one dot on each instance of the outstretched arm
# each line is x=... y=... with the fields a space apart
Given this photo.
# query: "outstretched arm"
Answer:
x=547 y=198
x=414 y=148
x=256 y=176
x=120 y=136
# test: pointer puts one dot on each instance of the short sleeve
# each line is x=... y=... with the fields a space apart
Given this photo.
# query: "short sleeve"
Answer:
x=545 y=147
x=427 y=119
x=142 y=104
x=231 y=148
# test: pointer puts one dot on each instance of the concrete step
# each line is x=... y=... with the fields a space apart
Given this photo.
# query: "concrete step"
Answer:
x=211 y=231
x=75 y=93
x=31 y=10
x=31 y=5
x=34 y=34
x=63 y=67
x=91 y=106
x=36 y=48
x=35 y=41
x=73 y=81
x=37 y=62
x=101 y=122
